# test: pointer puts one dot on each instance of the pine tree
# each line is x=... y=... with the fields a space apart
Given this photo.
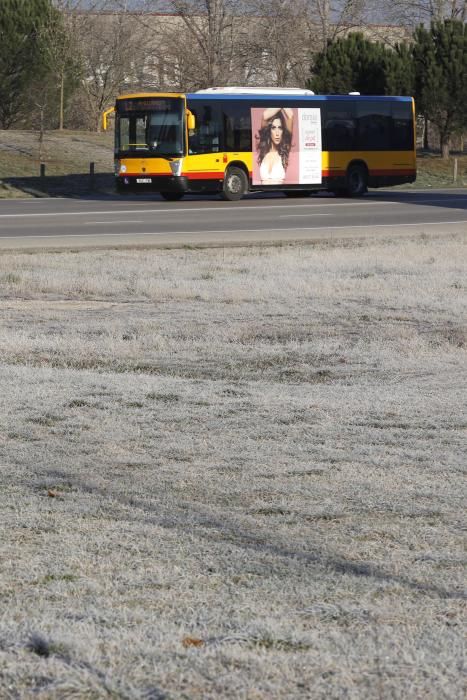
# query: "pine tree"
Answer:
x=60 y=56
x=440 y=55
x=355 y=63
x=20 y=55
x=399 y=70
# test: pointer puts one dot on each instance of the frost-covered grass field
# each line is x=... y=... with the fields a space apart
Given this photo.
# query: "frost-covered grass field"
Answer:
x=234 y=473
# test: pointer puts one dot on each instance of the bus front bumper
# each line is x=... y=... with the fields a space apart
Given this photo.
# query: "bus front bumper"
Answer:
x=153 y=183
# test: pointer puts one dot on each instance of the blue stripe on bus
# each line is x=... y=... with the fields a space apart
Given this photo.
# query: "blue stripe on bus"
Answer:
x=299 y=98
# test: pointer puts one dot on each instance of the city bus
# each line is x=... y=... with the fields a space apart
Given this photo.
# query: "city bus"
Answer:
x=233 y=141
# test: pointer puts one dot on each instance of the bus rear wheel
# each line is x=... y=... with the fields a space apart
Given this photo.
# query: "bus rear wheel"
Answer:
x=171 y=196
x=235 y=184
x=357 y=180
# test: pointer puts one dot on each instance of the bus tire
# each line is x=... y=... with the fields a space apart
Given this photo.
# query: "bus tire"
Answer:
x=357 y=180
x=171 y=196
x=235 y=184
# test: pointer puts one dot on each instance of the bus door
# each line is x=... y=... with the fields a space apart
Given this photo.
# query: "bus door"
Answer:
x=205 y=159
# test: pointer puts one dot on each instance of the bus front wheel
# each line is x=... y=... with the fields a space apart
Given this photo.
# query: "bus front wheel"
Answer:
x=171 y=196
x=357 y=180
x=235 y=184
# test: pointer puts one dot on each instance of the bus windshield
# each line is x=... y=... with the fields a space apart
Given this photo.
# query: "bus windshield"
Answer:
x=151 y=126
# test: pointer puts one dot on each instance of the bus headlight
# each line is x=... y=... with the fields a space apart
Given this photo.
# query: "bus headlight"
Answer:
x=176 y=167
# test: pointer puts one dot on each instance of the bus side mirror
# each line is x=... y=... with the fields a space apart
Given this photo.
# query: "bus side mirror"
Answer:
x=105 y=116
x=191 y=121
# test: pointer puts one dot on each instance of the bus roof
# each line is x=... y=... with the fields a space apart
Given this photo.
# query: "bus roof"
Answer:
x=143 y=95
x=282 y=94
x=295 y=96
x=254 y=91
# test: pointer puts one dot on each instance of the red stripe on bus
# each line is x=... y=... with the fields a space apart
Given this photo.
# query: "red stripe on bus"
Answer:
x=220 y=175
x=204 y=176
x=373 y=171
x=333 y=173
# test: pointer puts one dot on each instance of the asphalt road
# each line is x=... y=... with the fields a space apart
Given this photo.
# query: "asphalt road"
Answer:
x=148 y=221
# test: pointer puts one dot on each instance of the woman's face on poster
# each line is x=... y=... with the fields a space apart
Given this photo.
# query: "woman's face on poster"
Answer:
x=276 y=131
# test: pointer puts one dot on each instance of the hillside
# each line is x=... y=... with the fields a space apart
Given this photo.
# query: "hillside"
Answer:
x=68 y=154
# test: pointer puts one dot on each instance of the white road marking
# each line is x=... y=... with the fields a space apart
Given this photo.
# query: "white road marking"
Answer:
x=292 y=216
x=31 y=200
x=118 y=212
x=233 y=231
x=216 y=210
x=101 y=223
x=371 y=194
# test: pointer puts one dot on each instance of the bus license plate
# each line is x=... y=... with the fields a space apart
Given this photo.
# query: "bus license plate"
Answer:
x=144 y=180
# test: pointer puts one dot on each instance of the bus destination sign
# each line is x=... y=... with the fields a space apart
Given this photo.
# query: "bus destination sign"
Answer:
x=148 y=104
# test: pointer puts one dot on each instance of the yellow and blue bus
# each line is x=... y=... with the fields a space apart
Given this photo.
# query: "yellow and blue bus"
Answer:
x=237 y=140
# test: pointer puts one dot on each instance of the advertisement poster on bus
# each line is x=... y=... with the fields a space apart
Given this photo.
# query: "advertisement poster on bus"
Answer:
x=286 y=145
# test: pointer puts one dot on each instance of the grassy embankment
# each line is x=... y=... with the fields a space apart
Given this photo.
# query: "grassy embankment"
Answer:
x=234 y=473
x=67 y=156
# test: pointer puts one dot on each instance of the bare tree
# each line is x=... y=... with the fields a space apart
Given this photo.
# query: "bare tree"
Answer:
x=285 y=33
x=276 y=48
x=110 y=50
x=227 y=42
x=211 y=25
x=172 y=58
x=414 y=12
x=191 y=44
x=207 y=34
x=334 y=18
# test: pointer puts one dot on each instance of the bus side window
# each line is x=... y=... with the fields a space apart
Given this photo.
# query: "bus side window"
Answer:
x=339 y=130
x=206 y=137
x=373 y=125
x=402 y=126
x=237 y=126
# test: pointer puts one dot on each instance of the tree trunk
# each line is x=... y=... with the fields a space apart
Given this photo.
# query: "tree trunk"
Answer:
x=426 y=144
x=62 y=101
x=445 y=147
x=41 y=133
